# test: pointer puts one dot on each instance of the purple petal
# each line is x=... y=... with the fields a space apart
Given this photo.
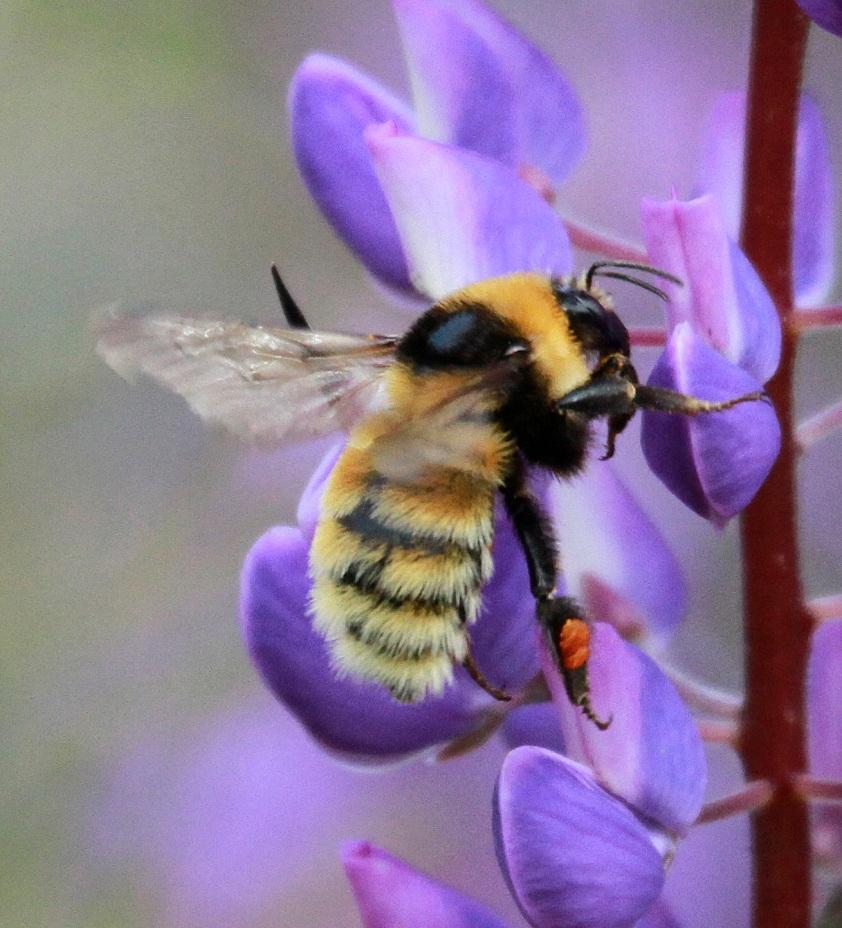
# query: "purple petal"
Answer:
x=827 y=13
x=814 y=252
x=659 y=916
x=461 y=93
x=722 y=298
x=309 y=505
x=463 y=217
x=392 y=894
x=480 y=84
x=573 y=855
x=721 y=173
x=331 y=103
x=536 y=724
x=347 y=716
x=824 y=698
x=503 y=638
x=615 y=559
x=715 y=462
x=651 y=755
x=721 y=162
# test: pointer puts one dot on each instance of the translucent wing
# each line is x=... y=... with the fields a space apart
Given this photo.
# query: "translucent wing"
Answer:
x=454 y=430
x=264 y=384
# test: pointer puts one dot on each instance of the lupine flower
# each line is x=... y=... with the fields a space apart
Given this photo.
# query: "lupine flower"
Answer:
x=723 y=341
x=486 y=95
x=721 y=173
x=584 y=839
x=824 y=694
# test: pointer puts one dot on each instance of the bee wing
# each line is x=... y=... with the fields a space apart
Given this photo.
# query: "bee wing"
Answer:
x=264 y=384
x=453 y=433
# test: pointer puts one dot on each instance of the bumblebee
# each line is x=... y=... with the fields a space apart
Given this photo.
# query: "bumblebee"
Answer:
x=502 y=376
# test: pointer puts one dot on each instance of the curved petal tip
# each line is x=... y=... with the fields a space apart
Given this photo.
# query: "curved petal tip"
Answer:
x=713 y=462
x=571 y=853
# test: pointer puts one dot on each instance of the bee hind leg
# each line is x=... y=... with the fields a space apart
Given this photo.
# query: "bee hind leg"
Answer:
x=569 y=638
x=479 y=678
x=561 y=617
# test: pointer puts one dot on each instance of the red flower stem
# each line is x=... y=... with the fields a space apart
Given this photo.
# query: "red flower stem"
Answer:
x=603 y=243
x=750 y=798
x=648 y=338
x=805 y=319
x=819 y=426
x=777 y=622
x=719 y=731
x=826 y=791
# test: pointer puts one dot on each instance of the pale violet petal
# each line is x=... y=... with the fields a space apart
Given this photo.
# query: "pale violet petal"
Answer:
x=616 y=562
x=479 y=83
x=721 y=173
x=572 y=854
x=651 y=755
x=330 y=104
x=392 y=894
x=463 y=217
x=722 y=297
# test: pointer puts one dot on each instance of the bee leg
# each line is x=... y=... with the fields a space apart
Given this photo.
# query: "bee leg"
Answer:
x=560 y=616
x=663 y=400
x=604 y=396
x=479 y=678
x=569 y=638
x=610 y=396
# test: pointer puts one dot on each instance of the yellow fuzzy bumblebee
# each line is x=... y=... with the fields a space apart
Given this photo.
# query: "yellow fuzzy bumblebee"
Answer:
x=499 y=377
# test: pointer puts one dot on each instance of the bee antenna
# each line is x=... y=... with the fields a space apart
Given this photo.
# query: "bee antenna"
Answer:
x=294 y=317
x=644 y=284
x=595 y=270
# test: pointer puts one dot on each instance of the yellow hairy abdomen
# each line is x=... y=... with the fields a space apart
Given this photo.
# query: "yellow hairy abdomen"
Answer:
x=398 y=569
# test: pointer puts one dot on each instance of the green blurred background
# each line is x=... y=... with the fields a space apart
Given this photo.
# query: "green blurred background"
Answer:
x=147 y=779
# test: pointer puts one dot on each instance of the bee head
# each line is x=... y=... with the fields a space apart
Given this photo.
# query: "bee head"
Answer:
x=593 y=322
x=598 y=329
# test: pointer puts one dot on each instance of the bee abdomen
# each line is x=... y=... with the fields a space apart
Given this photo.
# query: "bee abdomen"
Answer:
x=397 y=628
x=392 y=595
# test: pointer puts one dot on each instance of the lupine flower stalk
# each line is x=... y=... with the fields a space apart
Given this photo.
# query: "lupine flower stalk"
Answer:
x=460 y=187
x=778 y=625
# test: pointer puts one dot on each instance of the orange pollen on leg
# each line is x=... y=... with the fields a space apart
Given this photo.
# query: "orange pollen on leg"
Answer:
x=574 y=642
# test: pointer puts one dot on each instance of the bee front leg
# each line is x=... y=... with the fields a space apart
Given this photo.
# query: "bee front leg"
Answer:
x=663 y=400
x=561 y=617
